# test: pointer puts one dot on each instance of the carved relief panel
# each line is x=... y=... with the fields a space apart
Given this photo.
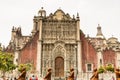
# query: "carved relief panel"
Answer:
x=46 y=57
x=59 y=30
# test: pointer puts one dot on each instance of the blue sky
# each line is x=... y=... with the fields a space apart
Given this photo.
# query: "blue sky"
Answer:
x=92 y=12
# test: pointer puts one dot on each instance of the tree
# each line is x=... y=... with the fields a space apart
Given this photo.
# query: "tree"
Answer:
x=6 y=62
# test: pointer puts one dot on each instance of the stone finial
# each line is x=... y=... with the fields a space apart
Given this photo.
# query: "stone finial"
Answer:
x=73 y=16
x=13 y=28
x=41 y=7
x=99 y=32
x=59 y=7
x=42 y=12
x=77 y=15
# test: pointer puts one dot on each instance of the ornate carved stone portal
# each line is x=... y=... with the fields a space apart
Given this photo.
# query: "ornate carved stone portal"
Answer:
x=58 y=34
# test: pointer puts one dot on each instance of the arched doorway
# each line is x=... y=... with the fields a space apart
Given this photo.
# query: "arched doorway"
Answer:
x=59 y=67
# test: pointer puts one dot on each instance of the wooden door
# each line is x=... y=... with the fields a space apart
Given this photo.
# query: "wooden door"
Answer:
x=59 y=67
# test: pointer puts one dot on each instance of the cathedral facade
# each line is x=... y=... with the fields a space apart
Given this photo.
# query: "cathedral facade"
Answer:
x=57 y=42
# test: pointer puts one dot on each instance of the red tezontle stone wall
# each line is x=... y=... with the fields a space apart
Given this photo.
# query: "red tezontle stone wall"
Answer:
x=29 y=52
x=89 y=54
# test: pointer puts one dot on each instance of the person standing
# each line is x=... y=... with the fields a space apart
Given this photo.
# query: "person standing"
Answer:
x=34 y=77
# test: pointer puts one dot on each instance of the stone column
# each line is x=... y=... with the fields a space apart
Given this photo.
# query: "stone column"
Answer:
x=39 y=48
x=65 y=64
x=99 y=58
x=79 y=52
x=16 y=57
x=40 y=28
x=16 y=62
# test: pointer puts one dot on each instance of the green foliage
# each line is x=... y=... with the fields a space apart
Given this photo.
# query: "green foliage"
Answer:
x=20 y=67
x=28 y=67
x=6 y=62
x=109 y=68
x=101 y=69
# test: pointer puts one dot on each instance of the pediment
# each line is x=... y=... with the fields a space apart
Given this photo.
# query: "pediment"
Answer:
x=59 y=15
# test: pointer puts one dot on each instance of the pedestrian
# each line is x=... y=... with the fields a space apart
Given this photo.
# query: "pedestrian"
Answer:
x=34 y=77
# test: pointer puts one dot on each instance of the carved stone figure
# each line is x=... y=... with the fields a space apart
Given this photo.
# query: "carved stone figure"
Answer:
x=22 y=75
x=48 y=75
x=71 y=76
x=95 y=75
x=117 y=72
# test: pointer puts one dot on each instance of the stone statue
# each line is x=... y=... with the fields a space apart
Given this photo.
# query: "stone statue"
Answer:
x=48 y=75
x=95 y=75
x=22 y=75
x=117 y=72
x=71 y=76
